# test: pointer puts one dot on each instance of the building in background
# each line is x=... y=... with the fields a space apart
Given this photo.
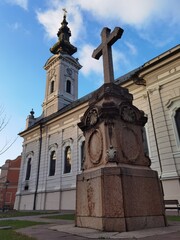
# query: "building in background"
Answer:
x=9 y=182
x=53 y=146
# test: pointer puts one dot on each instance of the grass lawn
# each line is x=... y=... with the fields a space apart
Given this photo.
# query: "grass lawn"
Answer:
x=15 y=213
x=173 y=218
x=63 y=217
x=10 y=234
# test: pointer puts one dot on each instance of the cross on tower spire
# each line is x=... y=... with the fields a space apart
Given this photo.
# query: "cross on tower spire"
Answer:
x=104 y=49
x=65 y=11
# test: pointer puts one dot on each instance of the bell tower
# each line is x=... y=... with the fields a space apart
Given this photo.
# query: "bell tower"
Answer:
x=61 y=73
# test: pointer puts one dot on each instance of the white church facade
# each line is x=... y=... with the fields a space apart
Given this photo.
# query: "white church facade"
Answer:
x=53 y=146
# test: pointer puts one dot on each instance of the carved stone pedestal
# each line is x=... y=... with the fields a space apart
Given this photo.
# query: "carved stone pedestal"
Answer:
x=119 y=199
x=117 y=191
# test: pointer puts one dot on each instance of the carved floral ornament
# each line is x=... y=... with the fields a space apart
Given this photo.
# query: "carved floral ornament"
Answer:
x=51 y=73
x=128 y=114
x=92 y=117
x=131 y=114
x=111 y=154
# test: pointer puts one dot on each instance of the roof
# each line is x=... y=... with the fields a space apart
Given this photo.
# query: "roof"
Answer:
x=42 y=120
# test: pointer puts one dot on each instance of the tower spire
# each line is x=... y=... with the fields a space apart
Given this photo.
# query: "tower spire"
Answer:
x=63 y=45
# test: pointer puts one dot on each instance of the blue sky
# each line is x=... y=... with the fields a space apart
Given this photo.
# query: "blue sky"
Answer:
x=29 y=27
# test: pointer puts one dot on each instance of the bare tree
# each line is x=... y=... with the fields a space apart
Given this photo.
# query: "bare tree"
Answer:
x=3 y=123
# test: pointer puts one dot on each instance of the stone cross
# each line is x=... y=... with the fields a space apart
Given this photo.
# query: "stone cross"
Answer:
x=104 y=49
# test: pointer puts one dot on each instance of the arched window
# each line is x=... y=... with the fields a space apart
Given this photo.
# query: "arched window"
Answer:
x=177 y=121
x=52 y=87
x=82 y=154
x=173 y=105
x=67 y=160
x=28 y=169
x=68 y=86
x=52 y=166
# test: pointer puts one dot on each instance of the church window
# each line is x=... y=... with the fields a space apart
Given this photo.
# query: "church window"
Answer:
x=67 y=160
x=68 y=86
x=177 y=121
x=26 y=187
x=52 y=87
x=52 y=166
x=173 y=105
x=28 y=170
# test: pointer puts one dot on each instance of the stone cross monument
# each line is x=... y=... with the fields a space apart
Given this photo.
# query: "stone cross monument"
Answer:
x=104 y=49
x=117 y=190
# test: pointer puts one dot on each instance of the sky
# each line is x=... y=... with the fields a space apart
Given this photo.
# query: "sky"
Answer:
x=29 y=28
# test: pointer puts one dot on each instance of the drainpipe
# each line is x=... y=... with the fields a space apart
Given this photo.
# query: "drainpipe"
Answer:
x=38 y=168
x=60 y=197
x=140 y=81
x=155 y=135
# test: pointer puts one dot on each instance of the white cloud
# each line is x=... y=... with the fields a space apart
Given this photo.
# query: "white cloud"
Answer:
x=146 y=16
x=20 y=3
x=159 y=41
x=132 y=48
x=120 y=62
x=15 y=26
x=137 y=13
x=89 y=64
x=95 y=67
x=133 y=12
x=49 y=19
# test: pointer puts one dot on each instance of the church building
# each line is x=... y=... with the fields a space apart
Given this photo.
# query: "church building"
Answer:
x=53 y=146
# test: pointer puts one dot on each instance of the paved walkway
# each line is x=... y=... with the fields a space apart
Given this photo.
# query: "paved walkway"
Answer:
x=64 y=229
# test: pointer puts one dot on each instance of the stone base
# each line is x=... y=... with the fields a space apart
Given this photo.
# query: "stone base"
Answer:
x=123 y=198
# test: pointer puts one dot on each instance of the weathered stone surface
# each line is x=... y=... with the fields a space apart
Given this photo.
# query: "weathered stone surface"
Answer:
x=113 y=129
x=109 y=197
x=135 y=223
x=142 y=193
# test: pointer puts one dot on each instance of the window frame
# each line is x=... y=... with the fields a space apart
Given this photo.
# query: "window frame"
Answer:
x=28 y=168
x=177 y=124
x=52 y=83
x=67 y=143
x=52 y=148
x=176 y=133
x=67 y=148
x=52 y=163
x=173 y=105
x=68 y=86
x=29 y=155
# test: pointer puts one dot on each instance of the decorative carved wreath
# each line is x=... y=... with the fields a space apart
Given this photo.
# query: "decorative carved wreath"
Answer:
x=92 y=117
x=128 y=114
